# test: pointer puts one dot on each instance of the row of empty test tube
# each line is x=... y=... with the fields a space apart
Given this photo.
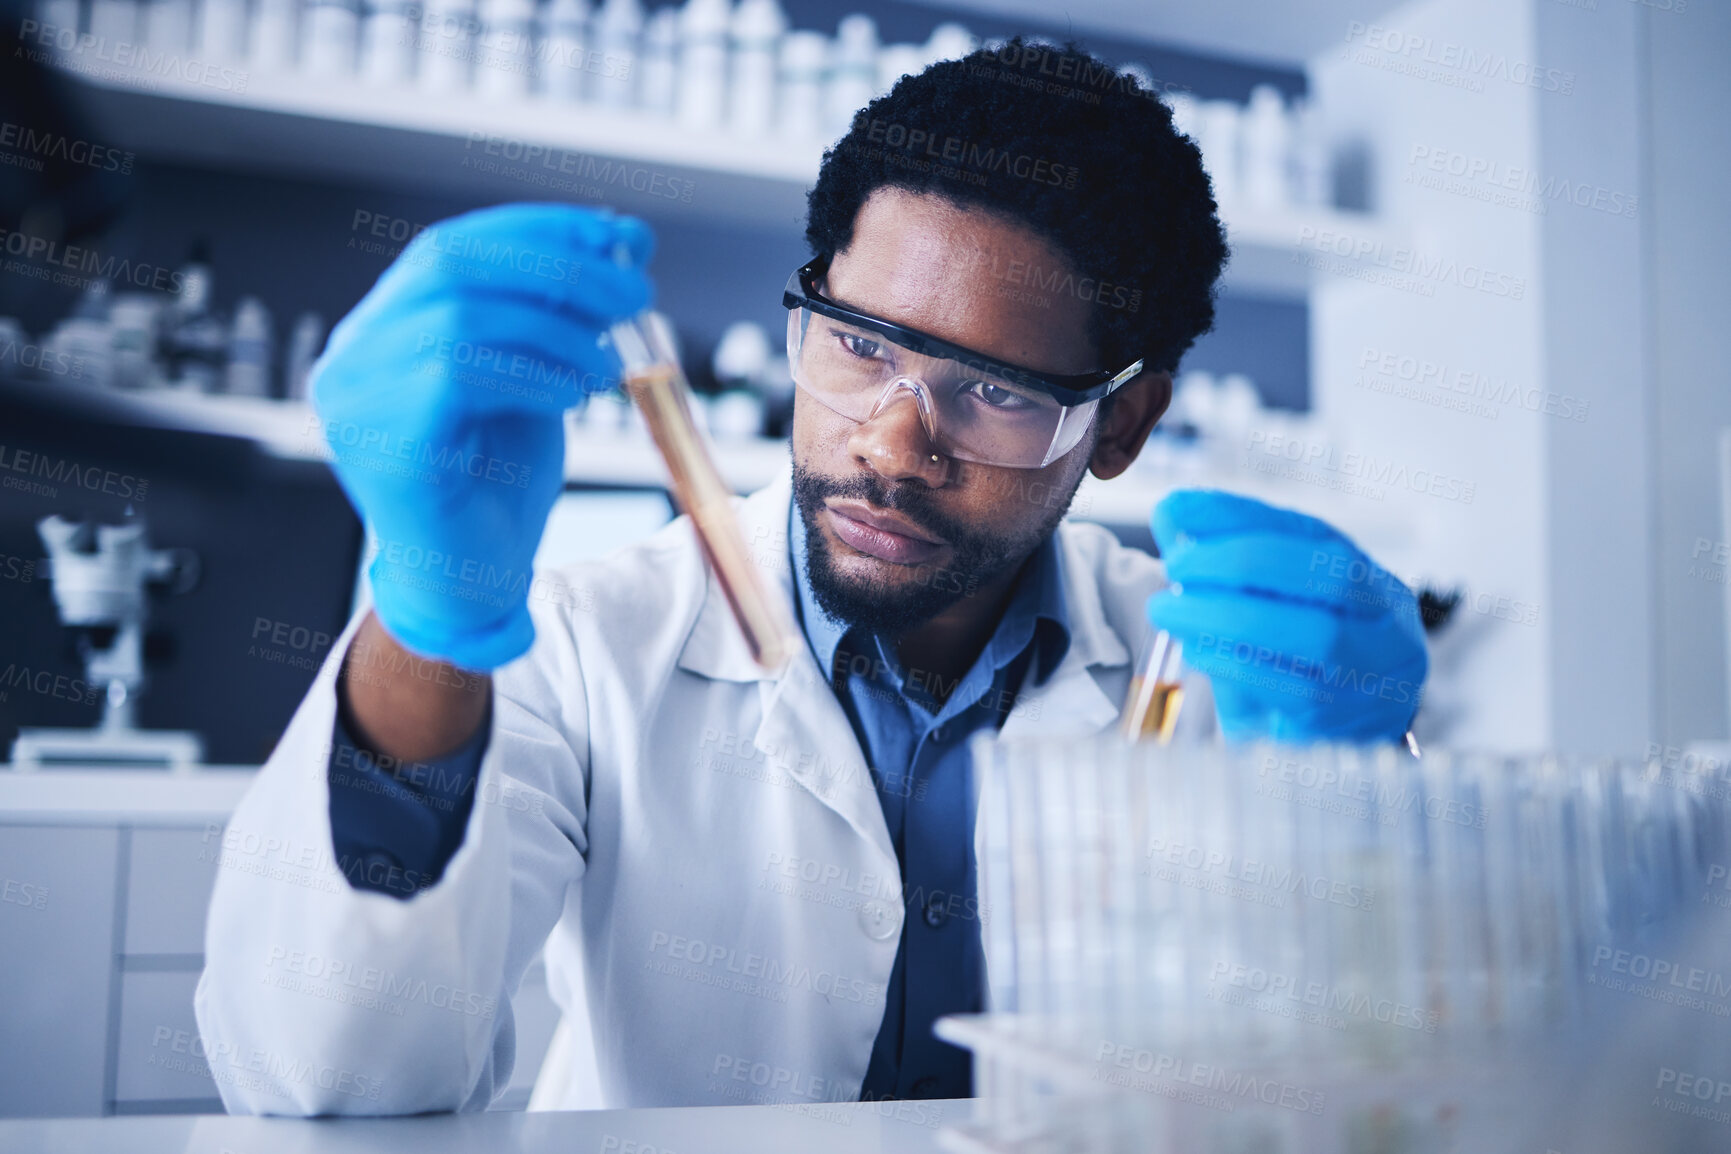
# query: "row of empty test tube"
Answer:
x=1216 y=948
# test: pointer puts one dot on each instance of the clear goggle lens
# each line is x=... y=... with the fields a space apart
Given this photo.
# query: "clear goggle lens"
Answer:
x=968 y=414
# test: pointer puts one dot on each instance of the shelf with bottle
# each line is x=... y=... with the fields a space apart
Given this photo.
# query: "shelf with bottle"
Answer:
x=606 y=446
x=711 y=109
x=169 y=360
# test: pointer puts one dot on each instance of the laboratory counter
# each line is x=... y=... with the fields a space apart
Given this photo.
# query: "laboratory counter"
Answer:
x=833 y=1128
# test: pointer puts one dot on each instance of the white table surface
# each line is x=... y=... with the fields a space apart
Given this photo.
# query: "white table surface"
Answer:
x=830 y=1128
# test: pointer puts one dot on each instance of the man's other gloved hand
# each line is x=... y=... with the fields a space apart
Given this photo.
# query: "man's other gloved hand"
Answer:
x=442 y=396
x=1302 y=636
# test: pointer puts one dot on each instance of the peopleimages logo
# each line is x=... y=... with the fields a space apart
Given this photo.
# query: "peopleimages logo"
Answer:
x=1259 y=880
x=96 y=55
x=561 y=162
x=1228 y=1086
x=954 y=150
x=1340 y=1001
x=57 y=146
x=1423 y=270
x=56 y=471
x=1449 y=62
x=1267 y=448
x=1489 y=180
x=1393 y=372
x=88 y=262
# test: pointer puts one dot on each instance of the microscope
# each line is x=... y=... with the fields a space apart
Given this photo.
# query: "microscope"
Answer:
x=99 y=573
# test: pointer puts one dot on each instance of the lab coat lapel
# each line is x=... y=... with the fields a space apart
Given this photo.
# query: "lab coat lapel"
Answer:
x=1071 y=702
x=803 y=732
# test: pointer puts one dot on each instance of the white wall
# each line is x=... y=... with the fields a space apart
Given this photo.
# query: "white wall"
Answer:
x=1600 y=483
x=1606 y=186
x=1490 y=682
x=1688 y=189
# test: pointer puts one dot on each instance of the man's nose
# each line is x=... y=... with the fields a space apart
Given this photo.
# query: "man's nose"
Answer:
x=896 y=444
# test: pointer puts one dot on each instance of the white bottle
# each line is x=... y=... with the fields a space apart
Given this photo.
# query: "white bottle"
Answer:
x=86 y=338
x=853 y=71
x=332 y=37
x=1310 y=172
x=702 y=88
x=249 y=349
x=612 y=75
x=87 y=343
x=741 y=355
x=658 y=62
x=136 y=319
x=274 y=43
x=1265 y=148
x=564 y=50
x=736 y=415
x=387 y=43
x=505 y=58
x=448 y=30
x=949 y=41
x=305 y=343
x=1193 y=402
x=168 y=25
x=1237 y=409
x=222 y=30
x=113 y=22
x=804 y=74
x=758 y=26
x=1218 y=127
x=896 y=61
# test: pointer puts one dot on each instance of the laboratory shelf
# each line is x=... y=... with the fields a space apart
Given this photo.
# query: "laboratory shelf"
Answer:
x=534 y=148
x=457 y=143
x=615 y=452
x=605 y=456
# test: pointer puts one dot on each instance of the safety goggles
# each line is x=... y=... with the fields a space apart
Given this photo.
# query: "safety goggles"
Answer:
x=974 y=407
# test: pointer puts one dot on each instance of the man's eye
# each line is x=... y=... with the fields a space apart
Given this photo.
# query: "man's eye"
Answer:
x=859 y=346
x=997 y=396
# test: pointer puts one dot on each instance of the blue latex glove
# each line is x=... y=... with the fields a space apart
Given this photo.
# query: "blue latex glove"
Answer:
x=443 y=395
x=1302 y=636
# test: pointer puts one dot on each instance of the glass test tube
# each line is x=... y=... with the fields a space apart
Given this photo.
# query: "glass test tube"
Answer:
x=657 y=384
x=1156 y=694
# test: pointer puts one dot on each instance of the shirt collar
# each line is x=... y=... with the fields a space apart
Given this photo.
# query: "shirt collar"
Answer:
x=1035 y=614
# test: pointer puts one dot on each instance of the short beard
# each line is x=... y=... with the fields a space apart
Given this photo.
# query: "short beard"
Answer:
x=892 y=611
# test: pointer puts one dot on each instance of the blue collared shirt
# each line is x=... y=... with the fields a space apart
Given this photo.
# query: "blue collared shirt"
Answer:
x=395 y=828
x=917 y=746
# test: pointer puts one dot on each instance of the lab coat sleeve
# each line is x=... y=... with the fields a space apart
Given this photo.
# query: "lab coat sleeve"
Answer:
x=320 y=998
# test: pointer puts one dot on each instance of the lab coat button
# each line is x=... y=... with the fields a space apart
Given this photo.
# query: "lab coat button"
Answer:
x=878 y=921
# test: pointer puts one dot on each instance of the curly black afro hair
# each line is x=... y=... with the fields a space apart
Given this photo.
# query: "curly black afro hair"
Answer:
x=1060 y=142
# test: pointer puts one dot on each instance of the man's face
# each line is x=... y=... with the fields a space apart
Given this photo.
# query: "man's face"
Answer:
x=895 y=532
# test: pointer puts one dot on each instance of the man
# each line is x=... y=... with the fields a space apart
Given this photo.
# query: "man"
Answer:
x=746 y=872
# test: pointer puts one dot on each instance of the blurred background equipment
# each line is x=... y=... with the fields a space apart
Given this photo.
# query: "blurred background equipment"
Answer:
x=271 y=541
x=99 y=574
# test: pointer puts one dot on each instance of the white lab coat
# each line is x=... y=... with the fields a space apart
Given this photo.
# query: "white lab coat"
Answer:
x=704 y=846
